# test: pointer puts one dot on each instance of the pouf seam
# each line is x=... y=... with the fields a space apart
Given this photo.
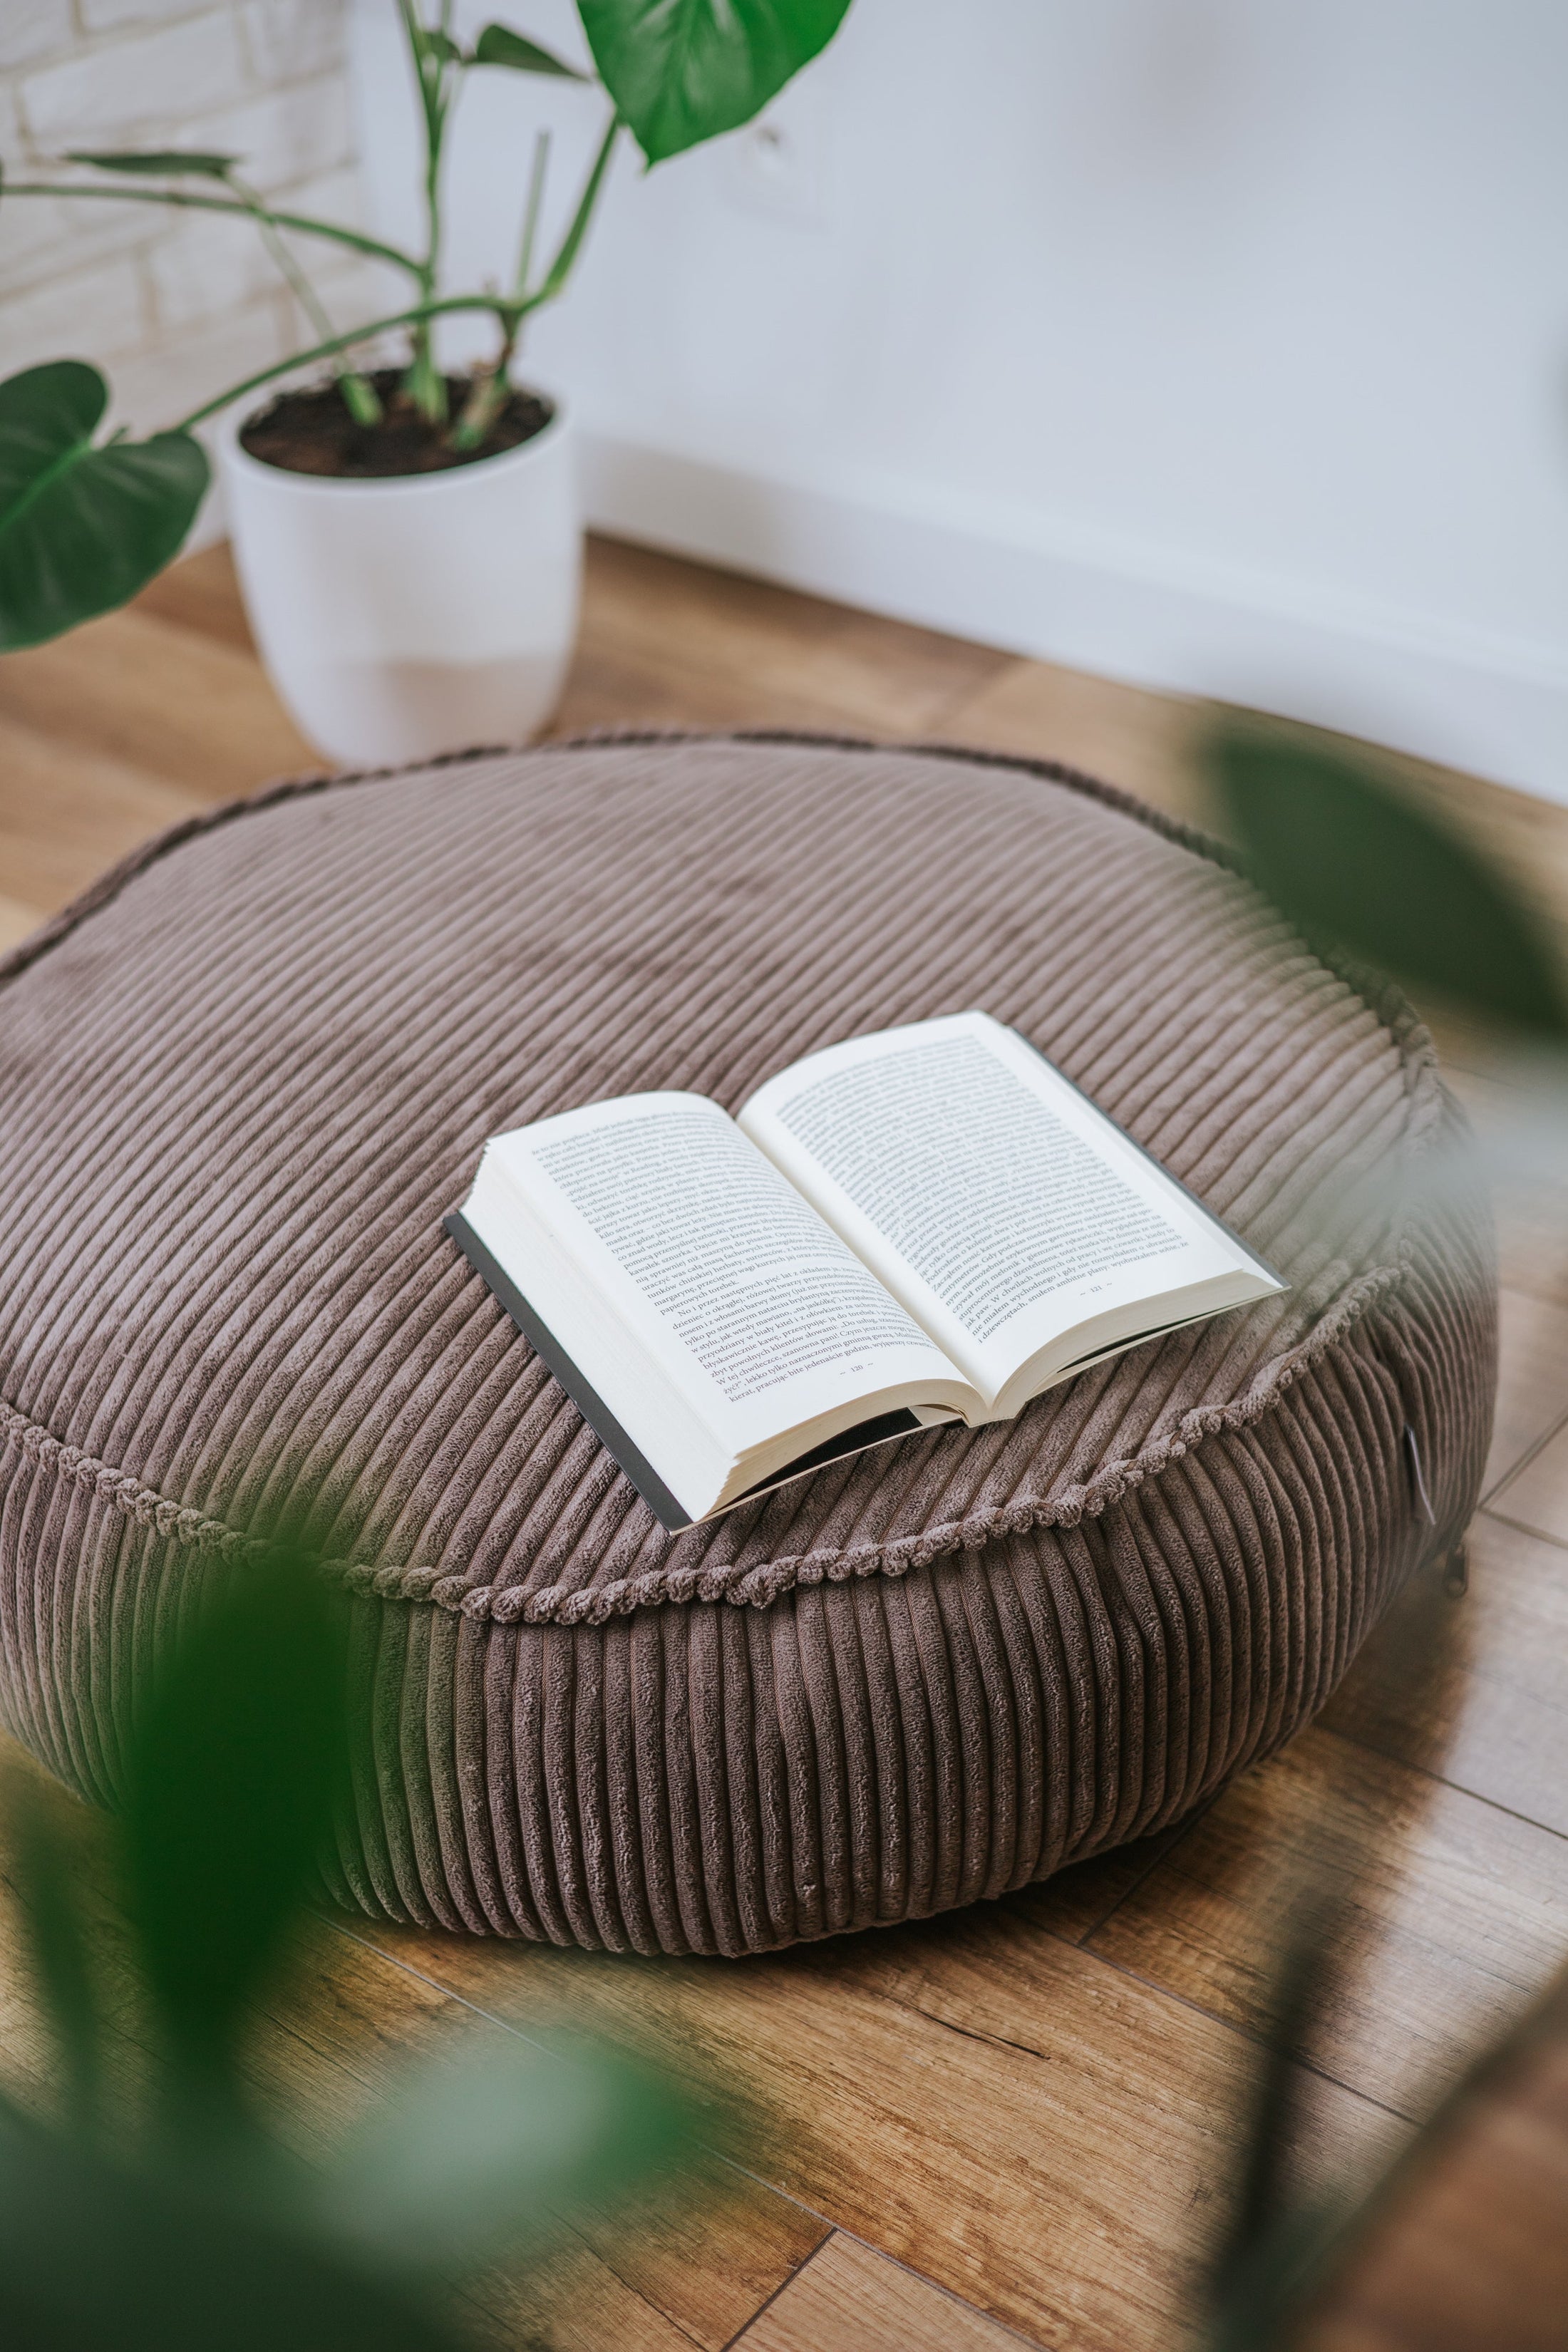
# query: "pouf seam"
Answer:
x=755 y=1587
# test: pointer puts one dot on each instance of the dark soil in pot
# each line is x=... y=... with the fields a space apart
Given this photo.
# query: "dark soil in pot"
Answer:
x=311 y=432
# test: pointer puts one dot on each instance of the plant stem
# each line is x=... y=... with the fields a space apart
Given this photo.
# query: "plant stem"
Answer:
x=358 y=392
x=489 y=389
x=299 y=223
x=488 y=393
x=487 y=397
x=570 y=243
x=506 y=312
x=530 y=211
x=424 y=382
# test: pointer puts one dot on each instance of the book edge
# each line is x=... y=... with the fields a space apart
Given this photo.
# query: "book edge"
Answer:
x=667 y=1507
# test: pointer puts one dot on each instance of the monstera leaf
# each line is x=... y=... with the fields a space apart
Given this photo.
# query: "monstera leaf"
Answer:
x=82 y=528
x=1349 y=861
x=684 y=70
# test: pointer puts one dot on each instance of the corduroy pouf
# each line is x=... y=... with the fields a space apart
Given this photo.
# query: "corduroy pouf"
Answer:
x=246 y=1077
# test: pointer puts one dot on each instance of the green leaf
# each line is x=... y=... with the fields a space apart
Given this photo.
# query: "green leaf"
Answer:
x=81 y=529
x=684 y=70
x=442 y=47
x=93 y=2255
x=166 y=162
x=1349 y=861
x=473 y=2153
x=230 y=1781
x=497 y=45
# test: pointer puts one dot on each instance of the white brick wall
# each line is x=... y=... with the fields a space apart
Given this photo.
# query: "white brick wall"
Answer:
x=172 y=305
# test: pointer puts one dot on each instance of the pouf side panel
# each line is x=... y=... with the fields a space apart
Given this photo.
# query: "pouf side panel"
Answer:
x=1440 y=1331
x=78 y=1647
x=470 y=1828
x=434 y=1745
x=366 y=1841
x=35 y=1511
x=715 y=1703
x=650 y=1861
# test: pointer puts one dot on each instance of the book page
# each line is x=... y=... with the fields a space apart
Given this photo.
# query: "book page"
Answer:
x=731 y=1281
x=998 y=1203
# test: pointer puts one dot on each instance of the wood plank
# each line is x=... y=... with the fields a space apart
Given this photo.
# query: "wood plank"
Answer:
x=571 y=2302
x=1533 y=1381
x=849 y=2298
x=64 y=814
x=29 y=2057
x=708 y=2248
x=1492 y=1714
x=1028 y=2127
x=1078 y=1899
x=670 y=643
x=1121 y=735
x=1536 y=1496
x=193 y=713
x=202 y=592
x=686 y=2262
x=16 y=921
x=1456 y=1913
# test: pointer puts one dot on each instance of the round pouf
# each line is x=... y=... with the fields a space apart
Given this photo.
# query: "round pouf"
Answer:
x=247 y=1074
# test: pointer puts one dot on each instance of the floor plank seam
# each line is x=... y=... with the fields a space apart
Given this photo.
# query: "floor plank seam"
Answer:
x=768 y=2301
x=1522 y=1528
x=1032 y=2343
x=1426 y=1772
x=1254 y=2037
x=597 y=2255
x=1524 y=1461
x=1181 y=1832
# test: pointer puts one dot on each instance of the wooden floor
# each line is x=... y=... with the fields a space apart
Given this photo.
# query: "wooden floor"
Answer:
x=1018 y=2121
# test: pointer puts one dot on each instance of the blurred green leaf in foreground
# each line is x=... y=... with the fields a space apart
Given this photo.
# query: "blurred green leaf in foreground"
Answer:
x=1351 y=863
x=1352 y=866
x=1355 y=866
x=192 y=2226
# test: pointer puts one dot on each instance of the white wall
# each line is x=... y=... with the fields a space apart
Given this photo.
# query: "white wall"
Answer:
x=1217 y=344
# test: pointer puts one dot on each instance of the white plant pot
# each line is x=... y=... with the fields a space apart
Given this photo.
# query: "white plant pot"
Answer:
x=421 y=613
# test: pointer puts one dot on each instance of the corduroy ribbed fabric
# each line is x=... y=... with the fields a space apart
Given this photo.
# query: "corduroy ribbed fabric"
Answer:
x=247 y=1076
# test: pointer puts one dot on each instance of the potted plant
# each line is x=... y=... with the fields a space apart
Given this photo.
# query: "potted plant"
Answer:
x=407 y=541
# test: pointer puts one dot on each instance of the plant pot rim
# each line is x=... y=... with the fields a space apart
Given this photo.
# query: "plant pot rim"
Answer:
x=400 y=485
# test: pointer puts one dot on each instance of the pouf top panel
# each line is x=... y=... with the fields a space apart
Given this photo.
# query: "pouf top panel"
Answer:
x=243 y=1082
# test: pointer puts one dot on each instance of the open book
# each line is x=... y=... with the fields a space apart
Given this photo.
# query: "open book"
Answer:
x=926 y=1225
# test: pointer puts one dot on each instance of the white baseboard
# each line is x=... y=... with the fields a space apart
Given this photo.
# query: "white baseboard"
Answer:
x=1489 y=705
